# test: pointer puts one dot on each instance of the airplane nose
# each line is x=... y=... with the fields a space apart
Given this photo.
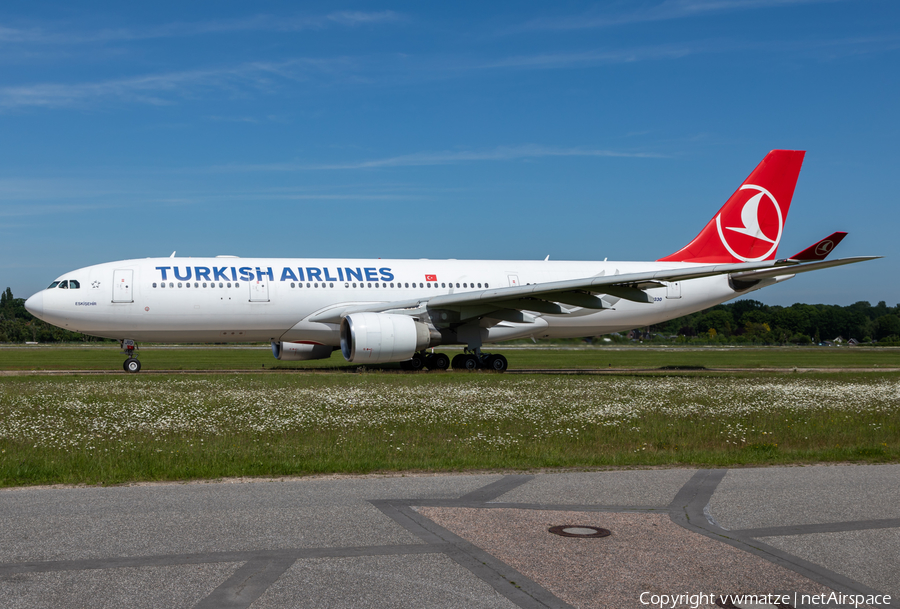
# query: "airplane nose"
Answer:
x=35 y=304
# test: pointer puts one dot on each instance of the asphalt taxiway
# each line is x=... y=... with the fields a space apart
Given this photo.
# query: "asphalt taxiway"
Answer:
x=478 y=540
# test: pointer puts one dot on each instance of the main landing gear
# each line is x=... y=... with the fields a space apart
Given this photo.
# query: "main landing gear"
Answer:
x=432 y=361
x=132 y=364
x=476 y=360
x=464 y=361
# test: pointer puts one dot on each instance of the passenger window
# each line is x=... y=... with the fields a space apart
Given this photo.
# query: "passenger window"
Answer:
x=220 y=284
x=229 y=284
x=171 y=285
x=179 y=284
x=479 y=285
x=486 y=285
x=330 y=285
x=354 y=285
x=457 y=285
x=154 y=284
x=346 y=285
x=204 y=284
x=196 y=285
x=188 y=284
x=392 y=285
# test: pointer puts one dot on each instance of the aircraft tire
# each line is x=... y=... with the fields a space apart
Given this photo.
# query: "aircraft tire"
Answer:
x=438 y=361
x=456 y=363
x=414 y=364
x=497 y=363
x=470 y=362
x=132 y=365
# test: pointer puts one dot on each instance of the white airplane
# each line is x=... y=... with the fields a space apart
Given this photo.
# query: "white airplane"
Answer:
x=380 y=311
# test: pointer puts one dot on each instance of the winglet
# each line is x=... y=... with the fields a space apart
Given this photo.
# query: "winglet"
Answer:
x=820 y=250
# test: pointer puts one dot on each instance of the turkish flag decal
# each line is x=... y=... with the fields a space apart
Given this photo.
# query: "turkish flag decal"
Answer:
x=430 y=277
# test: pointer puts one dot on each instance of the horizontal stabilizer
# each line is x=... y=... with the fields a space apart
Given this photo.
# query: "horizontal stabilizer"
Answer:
x=818 y=251
x=781 y=271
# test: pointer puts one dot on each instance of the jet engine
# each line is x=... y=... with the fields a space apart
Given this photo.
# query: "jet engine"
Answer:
x=292 y=352
x=375 y=338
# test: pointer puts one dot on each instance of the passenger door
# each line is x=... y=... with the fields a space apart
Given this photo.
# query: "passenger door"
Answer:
x=259 y=291
x=122 y=285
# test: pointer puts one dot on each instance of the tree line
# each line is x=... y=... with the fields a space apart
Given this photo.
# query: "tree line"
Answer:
x=742 y=321
x=19 y=326
x=750 y=321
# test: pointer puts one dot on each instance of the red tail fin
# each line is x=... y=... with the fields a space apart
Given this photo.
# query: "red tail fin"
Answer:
x=749 y=226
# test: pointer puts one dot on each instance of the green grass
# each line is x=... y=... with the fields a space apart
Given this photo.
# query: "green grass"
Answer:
x=107 y=357
x=172 y=427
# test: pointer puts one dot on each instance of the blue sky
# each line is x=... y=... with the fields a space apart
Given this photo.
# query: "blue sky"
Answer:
x=442 y=130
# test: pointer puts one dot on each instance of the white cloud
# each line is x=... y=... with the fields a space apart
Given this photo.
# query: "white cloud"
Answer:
x=161 y=88
x=663 y=11
x=418 y=159
x=253 y=23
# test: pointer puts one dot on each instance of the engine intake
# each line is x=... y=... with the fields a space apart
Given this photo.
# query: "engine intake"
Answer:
x=375 y=338
x=292 y=352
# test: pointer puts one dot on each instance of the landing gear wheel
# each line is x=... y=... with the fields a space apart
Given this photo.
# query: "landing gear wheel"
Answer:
x=469 y=362
x=415 y=363
x=132 y=365
x=497 y=363
x=456 y=364
x=437 y=361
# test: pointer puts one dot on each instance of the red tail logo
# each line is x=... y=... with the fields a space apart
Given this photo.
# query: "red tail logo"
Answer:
x=749 y=226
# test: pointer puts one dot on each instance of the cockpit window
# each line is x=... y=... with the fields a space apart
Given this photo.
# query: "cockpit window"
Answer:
x=63 y=285
x=73 y=284
x=53 y=285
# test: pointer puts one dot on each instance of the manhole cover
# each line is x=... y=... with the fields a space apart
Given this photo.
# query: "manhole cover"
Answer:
x=574 y=530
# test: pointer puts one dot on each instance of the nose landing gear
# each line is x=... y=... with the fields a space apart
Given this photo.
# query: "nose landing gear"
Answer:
x=132 y=364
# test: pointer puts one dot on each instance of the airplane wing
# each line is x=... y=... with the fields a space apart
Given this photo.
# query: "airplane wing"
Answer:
x=799 y=268
x=598 y=292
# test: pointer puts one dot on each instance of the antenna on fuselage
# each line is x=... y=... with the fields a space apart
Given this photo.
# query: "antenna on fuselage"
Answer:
x=173 y=255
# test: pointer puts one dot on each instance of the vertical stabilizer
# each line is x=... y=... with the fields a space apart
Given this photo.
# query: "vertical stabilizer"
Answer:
x=749 y=226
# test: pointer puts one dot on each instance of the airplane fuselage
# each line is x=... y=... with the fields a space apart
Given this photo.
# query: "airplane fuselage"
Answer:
x=227 y=299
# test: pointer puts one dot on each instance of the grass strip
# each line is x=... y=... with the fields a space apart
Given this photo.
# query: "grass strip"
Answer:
x=107 y=357
x=117 y=429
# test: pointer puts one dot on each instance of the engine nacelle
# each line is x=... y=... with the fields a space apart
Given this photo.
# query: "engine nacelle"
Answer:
x=292 y=352
x=375 y=338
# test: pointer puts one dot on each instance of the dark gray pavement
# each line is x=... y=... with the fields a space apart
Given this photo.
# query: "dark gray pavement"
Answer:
x=456 y=540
